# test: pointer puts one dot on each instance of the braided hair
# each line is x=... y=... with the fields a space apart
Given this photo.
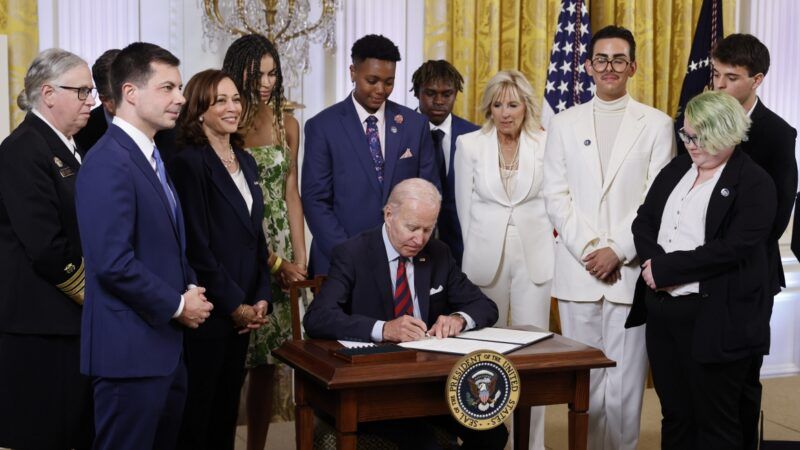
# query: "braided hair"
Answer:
x=440 y=70
x=243 y=64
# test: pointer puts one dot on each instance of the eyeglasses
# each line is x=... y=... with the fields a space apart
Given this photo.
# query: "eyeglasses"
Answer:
x=686 y=138
x=617 y=64
x=83 y=92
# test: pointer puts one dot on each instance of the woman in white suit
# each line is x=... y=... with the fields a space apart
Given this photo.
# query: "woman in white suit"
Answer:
x=508 y=238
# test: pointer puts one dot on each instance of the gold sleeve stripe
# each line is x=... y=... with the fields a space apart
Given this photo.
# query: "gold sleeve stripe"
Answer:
x=74 y=280
x=77 y=297
x=74 y=290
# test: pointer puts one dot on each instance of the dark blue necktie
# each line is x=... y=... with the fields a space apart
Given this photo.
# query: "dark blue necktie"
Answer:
x=162 y=177
x=374 y=141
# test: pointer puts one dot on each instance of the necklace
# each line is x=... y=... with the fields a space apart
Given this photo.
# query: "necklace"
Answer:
x=508 y=165
x=230 y=161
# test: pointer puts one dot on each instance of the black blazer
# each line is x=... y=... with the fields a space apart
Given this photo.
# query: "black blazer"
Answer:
x=732 y=266
x=96 y=127
x=40 y=248
x=225 y=244
x=770 y=143
x=358 y=290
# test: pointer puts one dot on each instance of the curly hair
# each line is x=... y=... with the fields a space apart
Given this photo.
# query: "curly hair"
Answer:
x=374 y=46
x=243 y=64
x=433 y=71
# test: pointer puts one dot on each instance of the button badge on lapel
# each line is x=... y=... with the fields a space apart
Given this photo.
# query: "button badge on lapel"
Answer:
x=587 y=142
x=725 y=192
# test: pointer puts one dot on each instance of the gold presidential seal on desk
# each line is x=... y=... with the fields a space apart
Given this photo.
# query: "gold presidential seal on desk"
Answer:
x=482 y=390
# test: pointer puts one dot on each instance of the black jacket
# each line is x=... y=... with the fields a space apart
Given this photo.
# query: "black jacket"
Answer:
x=732 y=266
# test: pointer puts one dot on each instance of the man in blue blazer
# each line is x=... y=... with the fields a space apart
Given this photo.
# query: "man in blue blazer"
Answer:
x=394 y=283
x=139 y=286
x=357 y=150
x=436 y=84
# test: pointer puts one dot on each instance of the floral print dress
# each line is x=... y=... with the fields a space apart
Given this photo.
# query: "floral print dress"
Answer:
x=273 y=165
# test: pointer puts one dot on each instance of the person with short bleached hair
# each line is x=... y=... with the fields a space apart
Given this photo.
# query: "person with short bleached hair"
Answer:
x=508 y=238
x=702 y=236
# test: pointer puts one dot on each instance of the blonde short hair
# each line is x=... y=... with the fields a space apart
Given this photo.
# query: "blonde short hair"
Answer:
x=719 y=120
x=515 y=82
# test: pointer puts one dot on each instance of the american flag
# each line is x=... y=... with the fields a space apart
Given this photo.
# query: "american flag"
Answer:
x=698 y=69
x=568 y=83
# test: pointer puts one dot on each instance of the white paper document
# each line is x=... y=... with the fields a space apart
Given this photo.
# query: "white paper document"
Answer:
x=458 y=346
x=505 y=335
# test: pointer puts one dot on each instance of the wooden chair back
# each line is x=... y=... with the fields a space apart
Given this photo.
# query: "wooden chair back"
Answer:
x=296 y=294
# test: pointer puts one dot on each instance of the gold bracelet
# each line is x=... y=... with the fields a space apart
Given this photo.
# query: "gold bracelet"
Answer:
x=277 y=265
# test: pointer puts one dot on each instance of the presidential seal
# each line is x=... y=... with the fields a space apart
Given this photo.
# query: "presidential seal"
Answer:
x=482 y=390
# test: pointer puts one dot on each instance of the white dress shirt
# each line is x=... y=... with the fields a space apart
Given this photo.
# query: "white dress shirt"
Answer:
x=394 y=256
x=241 y=183
x=380 y=114
x=447 y=127
x=146 y=145
x=683 y=221
x=70 y=143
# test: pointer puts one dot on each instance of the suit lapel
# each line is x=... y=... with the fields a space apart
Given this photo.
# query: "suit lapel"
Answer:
x=629 y=130
x=422 y=283
x=147 y=170
x=380 y=274
x=223 y=181
x=586 y=144
x=251 y=175
x=489 y=148
x=393 y=133
x=358 y=141
x=60 y=151
x=724 y=194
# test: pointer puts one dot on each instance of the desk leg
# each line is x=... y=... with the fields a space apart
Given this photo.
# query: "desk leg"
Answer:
x=579 y=412
x=522 y=427
x=304 y=417
x=347 y=421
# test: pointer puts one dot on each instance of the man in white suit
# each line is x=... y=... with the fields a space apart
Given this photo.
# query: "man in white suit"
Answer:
x=600 y=159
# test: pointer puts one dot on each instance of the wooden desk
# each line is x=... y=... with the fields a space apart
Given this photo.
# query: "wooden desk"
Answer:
x=551 y=372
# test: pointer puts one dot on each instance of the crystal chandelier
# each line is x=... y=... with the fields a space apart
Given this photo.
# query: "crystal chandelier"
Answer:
x=284 y=22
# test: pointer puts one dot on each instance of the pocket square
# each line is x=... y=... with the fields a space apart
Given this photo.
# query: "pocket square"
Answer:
x=436 y=290
x=407 y=154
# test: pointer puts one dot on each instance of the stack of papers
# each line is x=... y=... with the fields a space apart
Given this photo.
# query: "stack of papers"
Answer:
x=500 y=340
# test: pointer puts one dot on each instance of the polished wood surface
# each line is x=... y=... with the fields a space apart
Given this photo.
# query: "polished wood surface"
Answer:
x=552 y=371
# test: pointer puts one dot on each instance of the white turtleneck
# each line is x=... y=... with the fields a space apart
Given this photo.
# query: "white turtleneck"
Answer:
x=607 y=119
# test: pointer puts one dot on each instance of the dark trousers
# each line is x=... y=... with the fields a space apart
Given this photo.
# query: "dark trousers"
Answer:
x=216 y=373
x=139 y=413
x=418 y=434
x=750 y=410
x=700 y=402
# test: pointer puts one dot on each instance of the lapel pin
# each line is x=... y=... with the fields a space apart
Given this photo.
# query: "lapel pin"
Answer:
x=587 y=142
x=725 y=192
x=421 y=259
x=398 y=119
x=58 y=162
x=393 y=129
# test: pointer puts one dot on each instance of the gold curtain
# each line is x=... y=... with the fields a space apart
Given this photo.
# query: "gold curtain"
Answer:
x=481 y=37
x=19 y=20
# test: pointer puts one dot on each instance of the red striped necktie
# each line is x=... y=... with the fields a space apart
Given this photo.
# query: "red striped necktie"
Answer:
x=402 y=294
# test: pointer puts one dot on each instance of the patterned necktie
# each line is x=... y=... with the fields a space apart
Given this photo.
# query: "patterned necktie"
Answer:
x=438 y=139
x=374 y=141
x=162 y=177
x=402 y=294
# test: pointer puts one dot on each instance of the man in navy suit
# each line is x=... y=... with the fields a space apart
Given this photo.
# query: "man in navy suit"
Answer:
x=139 y=286
x=395 y=284
x=357 y=150
x=436 y=84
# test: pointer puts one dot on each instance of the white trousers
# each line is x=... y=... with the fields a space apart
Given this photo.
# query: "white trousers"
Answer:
x=615 y=399
x=520 y=301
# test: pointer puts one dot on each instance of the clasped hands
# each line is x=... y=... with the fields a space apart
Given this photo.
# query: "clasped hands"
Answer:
x=604 y=265
x=407 y=328
x=250 y=317
x=197 y=308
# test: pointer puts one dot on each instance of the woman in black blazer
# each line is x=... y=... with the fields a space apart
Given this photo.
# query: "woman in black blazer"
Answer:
x=225 y=244
x=704 y=292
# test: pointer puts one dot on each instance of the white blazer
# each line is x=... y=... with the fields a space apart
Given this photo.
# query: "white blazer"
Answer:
x=484 y=209
x=590 y=212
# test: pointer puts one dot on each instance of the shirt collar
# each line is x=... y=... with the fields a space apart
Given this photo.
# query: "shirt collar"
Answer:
x=752 y=108
x=70 y=143
x=717 y=174
x=363 y=113
x=142 y=141
x=391 y=253
x=445 y=126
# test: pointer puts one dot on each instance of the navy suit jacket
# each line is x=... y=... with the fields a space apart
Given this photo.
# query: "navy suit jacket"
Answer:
x=449 y=227
x=225 y=243
x=340 y=189
x=358 y=290
x=136 y=269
